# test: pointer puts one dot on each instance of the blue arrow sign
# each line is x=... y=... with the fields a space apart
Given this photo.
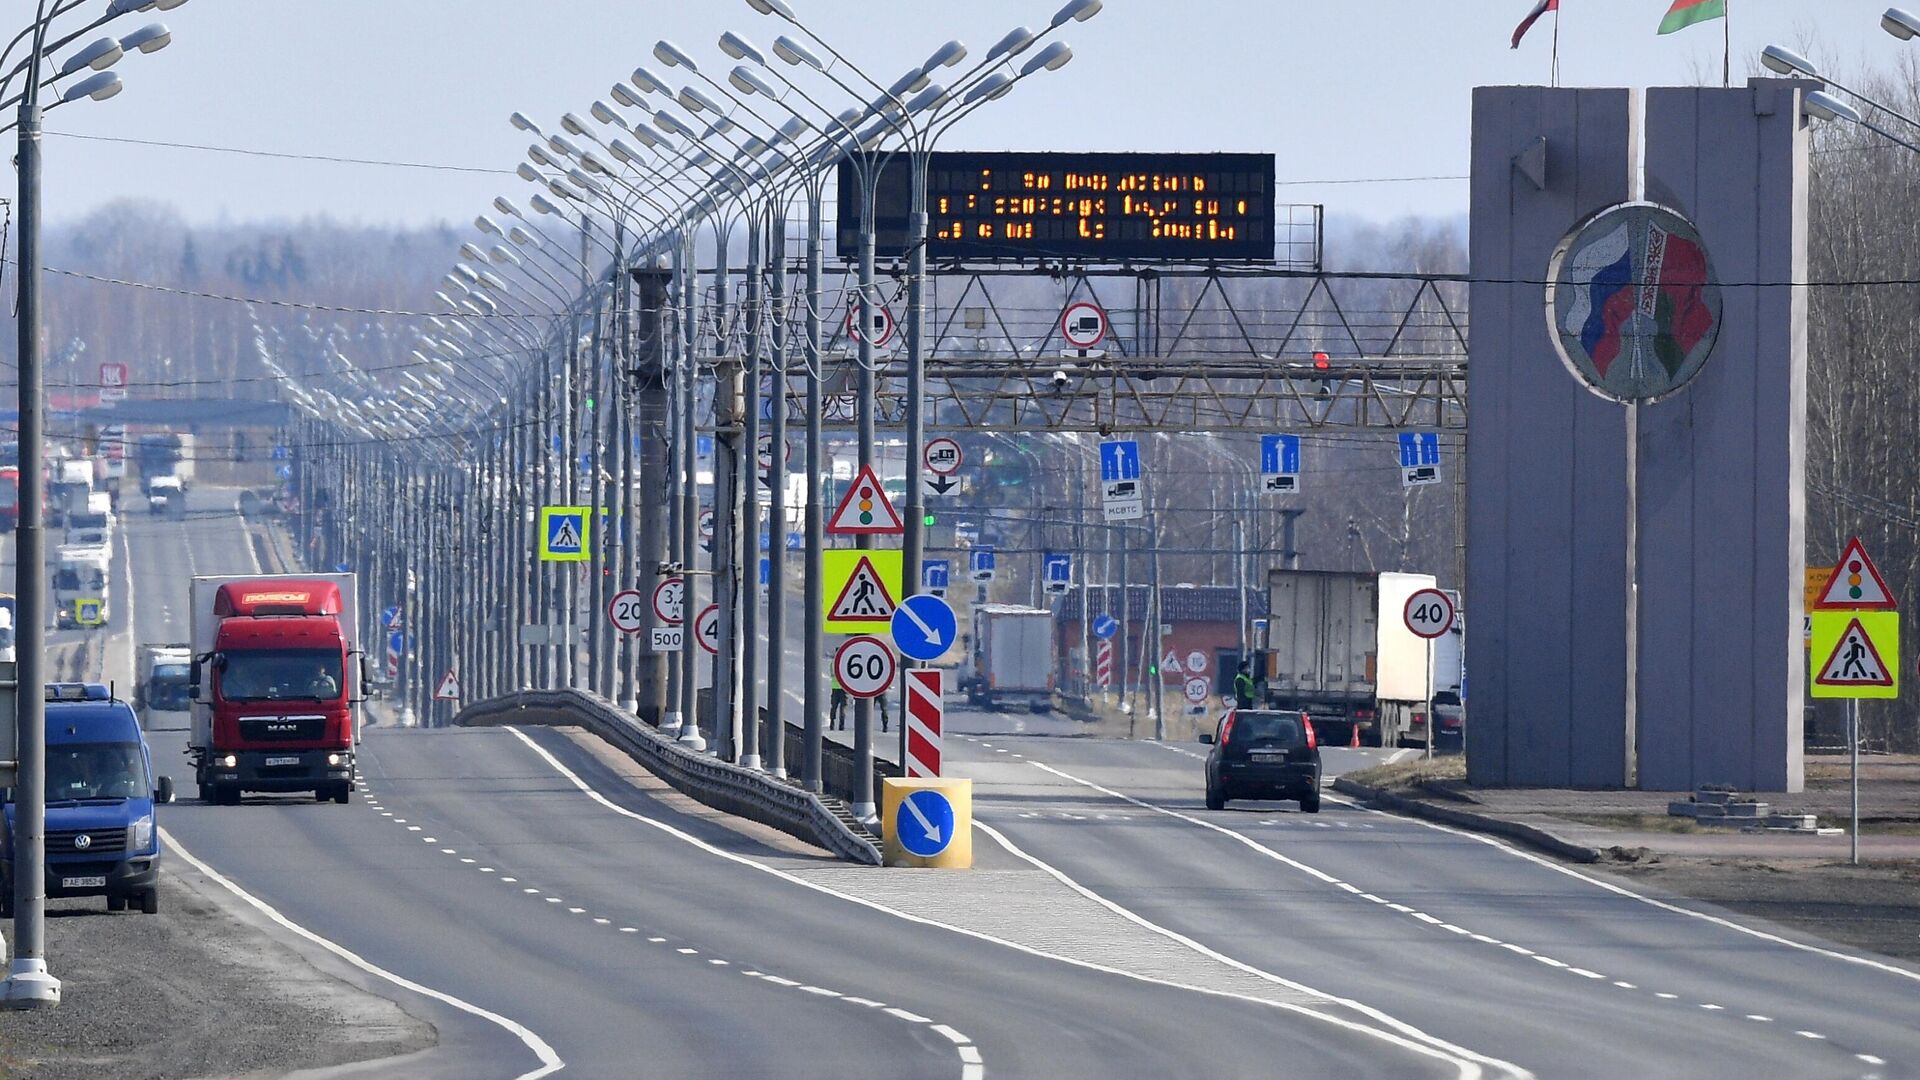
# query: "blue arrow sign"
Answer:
x=980 y=562
x=341 y=568
x=390 y=618
x=924 y=823
x=1419 y=448
x=284 y=472
x=1280 y=455
x=1105 y=626
x=1120 y=460
x=924 y=627
x=1056 y=571
x=935 y=574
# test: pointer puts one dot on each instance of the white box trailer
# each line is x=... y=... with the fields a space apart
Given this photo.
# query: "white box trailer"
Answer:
x=1011 y=662
x=1338 y=649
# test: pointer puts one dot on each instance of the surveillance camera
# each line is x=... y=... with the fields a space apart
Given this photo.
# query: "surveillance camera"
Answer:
x=1059 y=380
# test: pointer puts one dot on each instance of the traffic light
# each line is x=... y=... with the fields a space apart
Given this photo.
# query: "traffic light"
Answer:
x=927 y=521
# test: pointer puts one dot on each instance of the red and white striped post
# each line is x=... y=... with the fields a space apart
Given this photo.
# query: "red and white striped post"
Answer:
x=1103 y=666
x=925 y=709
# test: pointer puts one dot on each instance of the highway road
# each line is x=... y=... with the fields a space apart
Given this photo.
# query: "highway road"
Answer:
x=546 y=914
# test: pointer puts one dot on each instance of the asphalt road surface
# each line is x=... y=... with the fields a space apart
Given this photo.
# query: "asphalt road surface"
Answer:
x=542 y=926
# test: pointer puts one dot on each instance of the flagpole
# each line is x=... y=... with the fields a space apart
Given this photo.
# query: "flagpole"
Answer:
x=1553 y=75
x=1726 y=48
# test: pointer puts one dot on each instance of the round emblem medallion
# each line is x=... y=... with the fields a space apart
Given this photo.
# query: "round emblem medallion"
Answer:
x=82 y=842
x=1632 y=302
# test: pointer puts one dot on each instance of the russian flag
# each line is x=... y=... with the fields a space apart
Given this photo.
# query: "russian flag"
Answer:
x=1533 y=16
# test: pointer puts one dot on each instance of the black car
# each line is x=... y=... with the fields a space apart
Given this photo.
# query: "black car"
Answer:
x=1263 y=754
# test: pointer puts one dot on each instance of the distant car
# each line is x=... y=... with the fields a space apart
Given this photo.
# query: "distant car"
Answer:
x=1263 y=754
x=1450 y=723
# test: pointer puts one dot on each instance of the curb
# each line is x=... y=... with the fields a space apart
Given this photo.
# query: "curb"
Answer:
x=1532 y=836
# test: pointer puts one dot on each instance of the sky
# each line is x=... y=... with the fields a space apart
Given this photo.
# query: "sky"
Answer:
x=1363 y=93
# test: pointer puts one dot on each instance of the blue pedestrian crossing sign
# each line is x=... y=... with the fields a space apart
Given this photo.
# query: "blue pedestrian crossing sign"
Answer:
x=980 y=563
x=1419 y=458
x=1056 y=572
x=1280 y=464
x=563 y=534
x=924 y=823
x=935 y=575
x=1105 y=626
x=924 y=627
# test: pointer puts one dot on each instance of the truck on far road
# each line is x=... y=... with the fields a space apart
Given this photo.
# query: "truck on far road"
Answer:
x=163 y=686
x=1010 y=662
x=278 y=678
x=71 y=489
x=166 y=495
x=1338 y=649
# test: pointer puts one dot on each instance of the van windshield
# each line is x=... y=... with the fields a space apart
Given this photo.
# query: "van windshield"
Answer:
x=280 y=674
x=96 y=771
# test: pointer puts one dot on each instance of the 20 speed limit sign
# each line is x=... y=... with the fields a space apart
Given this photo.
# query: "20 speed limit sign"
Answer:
x=627 y=611
x=1430 y=613
x=864 y=666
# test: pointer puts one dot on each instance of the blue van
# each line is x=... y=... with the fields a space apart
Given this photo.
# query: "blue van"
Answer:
x=101 y=836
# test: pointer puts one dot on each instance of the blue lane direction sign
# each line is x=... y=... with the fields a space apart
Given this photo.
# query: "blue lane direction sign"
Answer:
x=1280 y=464
x=924 y=823
x=1105 y=626
x=936 y=575
x=1056 y=572
x=980 y=563
x=390 y=618
x=924 y=627
x=1419 y=458
x=1120 y=480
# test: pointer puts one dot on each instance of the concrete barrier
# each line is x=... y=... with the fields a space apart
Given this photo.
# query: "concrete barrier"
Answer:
x=746 y=793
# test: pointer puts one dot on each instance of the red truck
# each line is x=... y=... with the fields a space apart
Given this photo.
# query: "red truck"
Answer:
x=277 y=685
x=9 y=498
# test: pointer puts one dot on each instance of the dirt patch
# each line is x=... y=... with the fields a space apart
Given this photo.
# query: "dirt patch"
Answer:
x=1875 y=907
x=1412 y=777
x=191 y=991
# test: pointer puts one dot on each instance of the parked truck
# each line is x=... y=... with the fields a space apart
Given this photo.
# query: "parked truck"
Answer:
x=278 y=679
x=163 y=686
x=1010 y=662
x=1338 y=649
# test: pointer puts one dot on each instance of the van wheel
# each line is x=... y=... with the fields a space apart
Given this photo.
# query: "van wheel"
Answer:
x=1310 y=804
x=150 y=902
x=116 y=903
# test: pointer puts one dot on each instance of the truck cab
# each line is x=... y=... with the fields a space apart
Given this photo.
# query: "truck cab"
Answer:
x=80 y=590
x=165 y=495
x=101 y=837
x=163 y=687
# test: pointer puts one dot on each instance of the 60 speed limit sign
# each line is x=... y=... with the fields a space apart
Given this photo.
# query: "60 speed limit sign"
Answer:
x=864 y=666
x=1430 y=613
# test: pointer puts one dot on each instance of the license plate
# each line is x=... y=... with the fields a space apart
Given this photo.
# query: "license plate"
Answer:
x=83 y=883
x=1269 y=755
x=272 y=761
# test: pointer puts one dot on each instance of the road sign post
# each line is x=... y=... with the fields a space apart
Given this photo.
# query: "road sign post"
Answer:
x=1430 y=614
x=925 y=720
x=1855 y=626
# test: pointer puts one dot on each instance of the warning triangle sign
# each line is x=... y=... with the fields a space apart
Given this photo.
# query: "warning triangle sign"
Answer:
x=449 y=688
x=865 y=598
x=1856 y=583
x=865 y=509
x=1855 y=661
x=1170 y=664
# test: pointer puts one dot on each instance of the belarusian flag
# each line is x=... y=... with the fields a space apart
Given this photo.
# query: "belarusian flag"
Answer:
x=1687 y=12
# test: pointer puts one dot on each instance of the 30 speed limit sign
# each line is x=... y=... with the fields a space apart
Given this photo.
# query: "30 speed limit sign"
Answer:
x=864 y=666
x=1430 y=613
x=627 y=611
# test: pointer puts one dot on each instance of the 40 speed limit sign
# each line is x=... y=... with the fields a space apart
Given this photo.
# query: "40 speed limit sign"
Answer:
x=1430 y=613
x=864 y=666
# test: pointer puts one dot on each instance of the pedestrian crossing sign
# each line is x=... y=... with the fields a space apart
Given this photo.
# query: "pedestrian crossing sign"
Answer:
x=1860 y=654
x=563 y=534
x=861 y=590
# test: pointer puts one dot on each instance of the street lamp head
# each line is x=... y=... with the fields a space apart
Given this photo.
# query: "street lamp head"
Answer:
x=929 y=99
x=488 y=226
x=993 y=86
x=1824 y=106
x=467 y=273
x=99 y=86
x=794 y=128
x=649 y=140
x=150 y=38
x=472 y=251
x=773 y=7
x=669 y=54
x=650 y=83
x=1016 y=42
x=594 y=165
x=1052 y=58
x=540 y=154
x=492 y=280
x=522 y=122
x=796 y=54
x=584 y=182
x=565 y=146
x=625 y=95
x=692 y=100
x=1901 y=24
x=623 y=153
x=946 y=56
x=604 y=113
x=522 y=237
x=912 y=82
x=99 y=55
x=740 y=48
x=748 y=81
x=562 y=191
x=573 y=125
x=1077 y=11
x=528 y=173
x=1782 y=62
x=541 y=205
x=506 y=206
x=672 y=124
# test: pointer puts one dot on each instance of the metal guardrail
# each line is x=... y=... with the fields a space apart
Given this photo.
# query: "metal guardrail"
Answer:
x=728 y=788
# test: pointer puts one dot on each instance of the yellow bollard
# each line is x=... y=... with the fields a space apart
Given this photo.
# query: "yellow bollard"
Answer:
x=927 y=822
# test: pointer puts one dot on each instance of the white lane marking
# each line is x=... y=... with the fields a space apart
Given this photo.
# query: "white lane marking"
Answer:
x=820 y=991
x=1620 y=890
x=1711 y=1008
x=1809 y=1034
x=1664 y=996
x=950 y=1035
x=687 y=952
x=868 y=1002
x=1402 y=1034
x=576 y=911
x=603 y=922
x=1467 y=1068
x=902 y=1014
x=549 y=1060
x=1870 y=1059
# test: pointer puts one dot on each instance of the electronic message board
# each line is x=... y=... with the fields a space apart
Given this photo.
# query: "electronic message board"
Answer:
x=1107 y=208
